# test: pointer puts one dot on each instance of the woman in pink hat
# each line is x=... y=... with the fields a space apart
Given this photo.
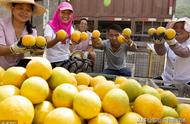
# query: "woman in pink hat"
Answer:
x=178 y=52
x=58 y=51
x=14 y=27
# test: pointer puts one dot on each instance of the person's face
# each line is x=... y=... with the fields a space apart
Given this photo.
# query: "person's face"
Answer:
x=112 y=36
x=83 y=25
x=182 y=35
x=65 y=15
x=22 y=12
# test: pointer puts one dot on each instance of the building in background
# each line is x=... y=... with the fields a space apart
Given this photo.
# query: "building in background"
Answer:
x=139 y=15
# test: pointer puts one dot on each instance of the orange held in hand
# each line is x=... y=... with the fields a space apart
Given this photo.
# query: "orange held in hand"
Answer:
x=121 y=39
x=160 y=30
x=151 y=31
x=170 y=33
x=96 y=34
x=127 y=32
x=40 y=41
x=61 y=35
x=28 y=40
x=83 y=36
x=76 y=36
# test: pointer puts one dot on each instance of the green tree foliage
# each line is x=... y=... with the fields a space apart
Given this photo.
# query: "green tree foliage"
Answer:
x=182 y=8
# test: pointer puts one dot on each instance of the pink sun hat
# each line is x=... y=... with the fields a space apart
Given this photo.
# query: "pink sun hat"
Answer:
x=65 y=6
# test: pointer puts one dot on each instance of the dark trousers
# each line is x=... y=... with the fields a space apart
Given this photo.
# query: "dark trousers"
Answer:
x=123 y=72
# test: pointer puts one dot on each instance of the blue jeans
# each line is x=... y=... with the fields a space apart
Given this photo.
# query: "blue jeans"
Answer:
x=123 y=72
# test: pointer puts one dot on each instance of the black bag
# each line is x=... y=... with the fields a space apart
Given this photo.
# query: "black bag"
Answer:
x=76 y=63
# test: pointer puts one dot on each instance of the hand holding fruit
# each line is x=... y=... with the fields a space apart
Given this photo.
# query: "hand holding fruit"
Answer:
x=170 y=36
x=18 y=48
x=23 y=44
x=161 y=34
x=76 y=37
x=40 y=45
x=96 y=36
x=61 y=35
x=157 y=35
x=33 y=44
x=125 y=37
x=152 y=33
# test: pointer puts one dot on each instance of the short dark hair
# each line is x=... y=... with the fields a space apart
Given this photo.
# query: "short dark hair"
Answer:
x=115 y=27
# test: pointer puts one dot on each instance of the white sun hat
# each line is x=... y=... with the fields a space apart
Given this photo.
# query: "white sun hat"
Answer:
x=184 y=19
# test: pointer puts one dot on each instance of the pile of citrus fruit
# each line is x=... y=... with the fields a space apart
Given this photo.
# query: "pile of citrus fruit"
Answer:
x=40 y=94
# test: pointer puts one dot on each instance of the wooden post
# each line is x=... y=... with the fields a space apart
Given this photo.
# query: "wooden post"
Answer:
x=149 y=62
x=46 y=15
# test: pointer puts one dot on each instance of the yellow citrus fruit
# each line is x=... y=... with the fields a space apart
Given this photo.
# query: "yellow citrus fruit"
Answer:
x=17 y=108
x=75 y=36
x=40 y=41
x=152 y=107
x=116 y=102
x=169 y=111
x=87 y=104
x=150 y=90
x=132 y=118
x=151 y=31
x=35 y=89
x=84 y=87
x=132 y=88
x=14 y=76
x=63 y=95
x=7 y=91
x=73 y=74
x=84 y=36
x=49 y=97
x=102 y=88
x=169 y=99
x=170 y=33
x=121 y=39
x=59 y=76
x=160 y=30
x=127 y=32
x=41 y=111
x=83 y=78
x=170 y=120
x=97 y=80
x=96 y=34
x=61 y=35
x=28 y=40
x=103 y=118
x=39 y=67
x=62 y=115
x=160 y=90
x=100 y=76
x=181 y=106
x=120 y=79
x=2 y=71
x=185 y=114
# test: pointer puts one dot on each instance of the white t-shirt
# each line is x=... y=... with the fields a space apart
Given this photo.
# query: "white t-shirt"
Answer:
x=177 y=68
x=59 y=52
